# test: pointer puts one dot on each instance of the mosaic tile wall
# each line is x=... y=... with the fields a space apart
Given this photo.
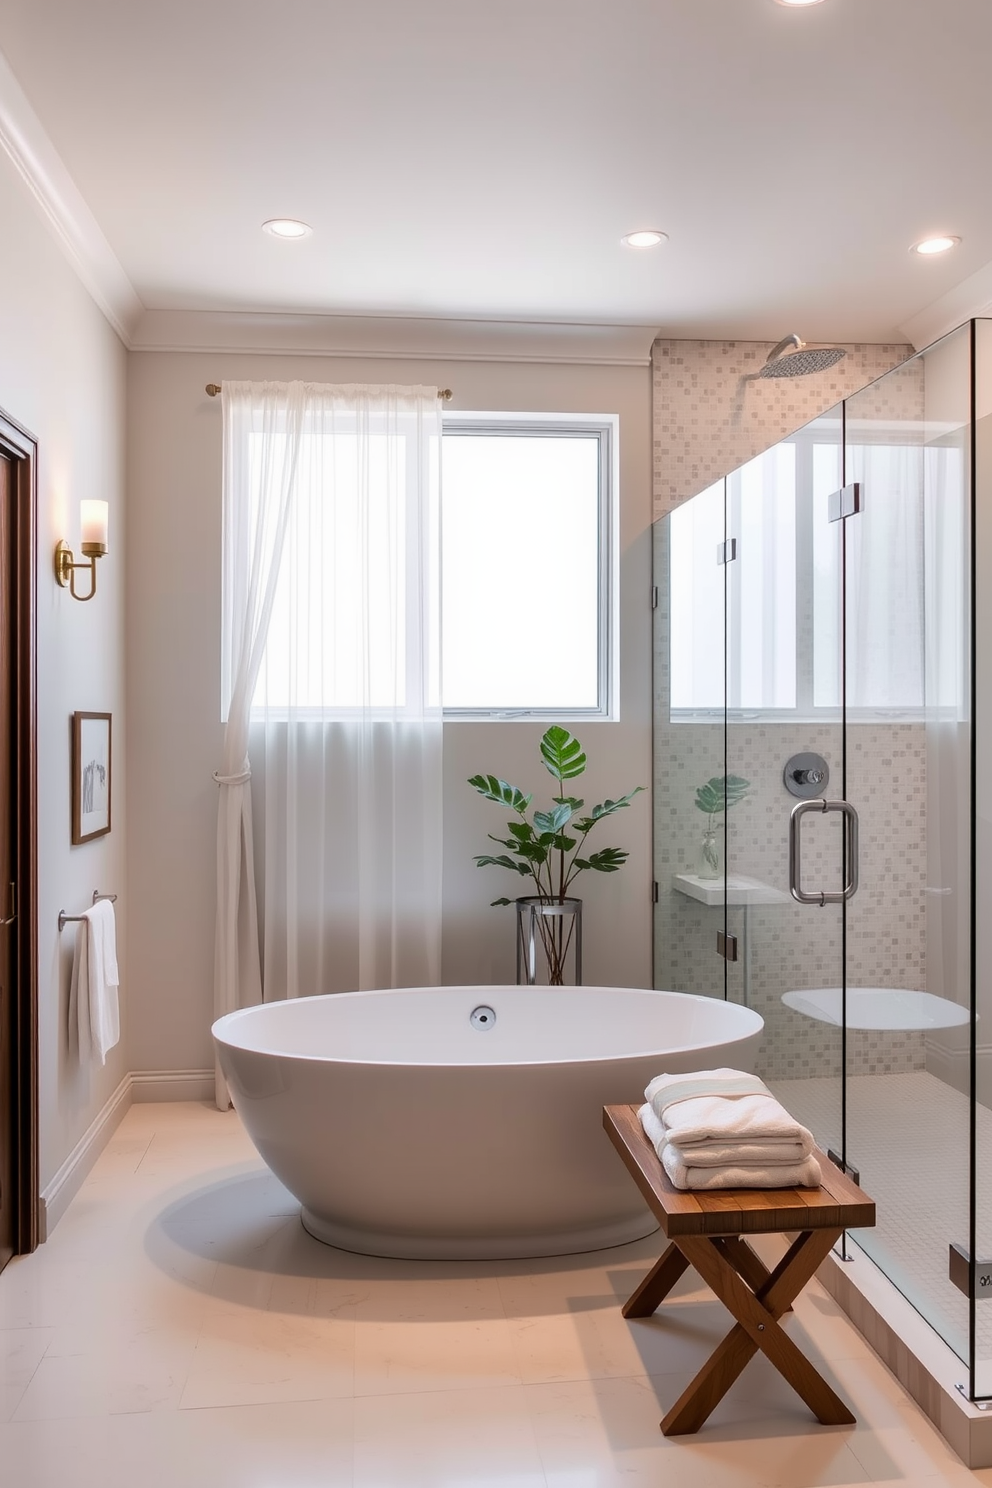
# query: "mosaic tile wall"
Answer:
x=712 y=411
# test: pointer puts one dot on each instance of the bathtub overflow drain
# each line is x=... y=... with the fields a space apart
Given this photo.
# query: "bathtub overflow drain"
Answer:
x=482 y=1017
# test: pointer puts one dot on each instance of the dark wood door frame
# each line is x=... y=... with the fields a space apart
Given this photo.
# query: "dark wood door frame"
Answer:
x=21 y=447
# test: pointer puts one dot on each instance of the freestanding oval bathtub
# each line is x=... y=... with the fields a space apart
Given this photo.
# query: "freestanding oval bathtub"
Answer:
x=406 y=1128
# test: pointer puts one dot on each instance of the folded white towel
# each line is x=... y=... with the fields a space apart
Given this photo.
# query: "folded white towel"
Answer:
x=686 y=1173
x=93 y=1006
x=717 y=1154
x=749 y=1175
x=667 y=1089
x=723 y=1106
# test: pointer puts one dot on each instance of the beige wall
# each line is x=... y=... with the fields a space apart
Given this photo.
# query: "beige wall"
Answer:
x=173 y=648
x=62 y=376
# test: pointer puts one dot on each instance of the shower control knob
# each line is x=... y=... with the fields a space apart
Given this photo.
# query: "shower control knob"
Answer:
x=806 y=775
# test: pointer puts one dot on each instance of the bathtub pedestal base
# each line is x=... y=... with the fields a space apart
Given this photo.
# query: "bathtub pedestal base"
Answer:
x=478 y=1248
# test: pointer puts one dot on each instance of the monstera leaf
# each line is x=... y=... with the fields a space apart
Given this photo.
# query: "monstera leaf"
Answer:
x=562 y=753
x=720 y=793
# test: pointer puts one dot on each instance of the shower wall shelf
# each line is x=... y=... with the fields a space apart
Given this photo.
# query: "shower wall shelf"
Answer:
x=739 y=890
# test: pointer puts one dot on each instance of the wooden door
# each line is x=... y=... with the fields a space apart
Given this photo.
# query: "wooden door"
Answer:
x=8 y=846
x=18 y=842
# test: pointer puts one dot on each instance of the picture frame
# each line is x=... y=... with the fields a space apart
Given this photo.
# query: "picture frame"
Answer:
x=91 y=776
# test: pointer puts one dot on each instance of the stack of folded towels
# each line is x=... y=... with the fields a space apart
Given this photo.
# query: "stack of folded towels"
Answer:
x=723 y=1128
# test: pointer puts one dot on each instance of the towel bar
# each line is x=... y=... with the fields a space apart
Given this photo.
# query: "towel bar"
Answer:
x=65 y=919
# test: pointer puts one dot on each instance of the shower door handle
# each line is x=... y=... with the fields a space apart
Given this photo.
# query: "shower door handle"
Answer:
x=823 y=896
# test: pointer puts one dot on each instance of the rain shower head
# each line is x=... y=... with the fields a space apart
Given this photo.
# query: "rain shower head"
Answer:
x=801 y=360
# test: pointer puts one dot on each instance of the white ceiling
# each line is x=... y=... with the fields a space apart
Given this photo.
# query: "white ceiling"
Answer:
x=483 y=159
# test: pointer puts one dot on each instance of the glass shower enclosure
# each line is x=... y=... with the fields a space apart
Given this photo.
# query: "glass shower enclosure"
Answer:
x=823 y=817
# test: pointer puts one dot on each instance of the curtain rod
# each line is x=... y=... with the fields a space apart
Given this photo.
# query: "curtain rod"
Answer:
x=213 y=388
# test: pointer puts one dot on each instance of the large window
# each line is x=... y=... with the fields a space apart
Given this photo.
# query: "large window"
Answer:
x=528 y=585
x=513 y=566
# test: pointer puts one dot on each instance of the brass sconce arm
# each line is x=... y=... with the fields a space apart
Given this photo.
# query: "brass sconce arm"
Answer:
x=65 y=566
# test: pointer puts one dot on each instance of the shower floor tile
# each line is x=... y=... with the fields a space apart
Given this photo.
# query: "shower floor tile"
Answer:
x=181 y=1327
x=908 y=1138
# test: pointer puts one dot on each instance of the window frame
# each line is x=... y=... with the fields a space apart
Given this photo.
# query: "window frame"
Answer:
x=605 y=429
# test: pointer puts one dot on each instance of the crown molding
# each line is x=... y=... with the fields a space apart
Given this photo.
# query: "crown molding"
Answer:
x=972 y=297
x=393 y=337
x=34 y=157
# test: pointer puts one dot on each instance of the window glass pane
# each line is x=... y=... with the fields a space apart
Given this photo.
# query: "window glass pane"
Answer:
x=825 y=543
x=884 y=572
x=761 y=514
x=696 y=596
x=520 y=571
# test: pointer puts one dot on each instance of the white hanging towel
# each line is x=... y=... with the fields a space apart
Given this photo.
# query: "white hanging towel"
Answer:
x=93 y=989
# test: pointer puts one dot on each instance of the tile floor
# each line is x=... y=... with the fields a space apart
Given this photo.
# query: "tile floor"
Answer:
x=181 y=1330
x=917 y=1220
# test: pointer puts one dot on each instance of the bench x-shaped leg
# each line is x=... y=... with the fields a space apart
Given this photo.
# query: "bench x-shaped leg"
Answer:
x=757 y=1298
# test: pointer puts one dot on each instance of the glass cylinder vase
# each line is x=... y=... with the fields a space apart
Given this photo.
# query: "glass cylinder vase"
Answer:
x=549 y=937
x=711 y=851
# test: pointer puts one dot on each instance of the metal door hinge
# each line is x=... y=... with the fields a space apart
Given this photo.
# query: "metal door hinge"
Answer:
x=654 y=596
x=846 y=502
x=654 y=891
x=726 y=946
x=975 y=1280
x=726 y=552
x=846 y=1168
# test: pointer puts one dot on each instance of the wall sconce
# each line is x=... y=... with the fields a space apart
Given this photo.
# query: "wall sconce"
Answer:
x=94 y=521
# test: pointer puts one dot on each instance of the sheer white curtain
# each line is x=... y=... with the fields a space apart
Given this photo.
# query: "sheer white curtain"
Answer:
x=331 y=649
x=885 y=631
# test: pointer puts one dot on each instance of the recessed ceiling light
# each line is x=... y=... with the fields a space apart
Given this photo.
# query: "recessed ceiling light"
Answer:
x=287 y=227
x=938 y=244
x=647 y=238
x=797 y=2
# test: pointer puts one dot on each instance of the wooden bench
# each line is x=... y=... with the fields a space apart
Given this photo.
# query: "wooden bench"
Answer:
x=707 y=1231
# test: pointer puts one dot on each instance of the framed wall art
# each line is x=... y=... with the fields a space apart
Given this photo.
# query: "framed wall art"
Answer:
x=91 y=776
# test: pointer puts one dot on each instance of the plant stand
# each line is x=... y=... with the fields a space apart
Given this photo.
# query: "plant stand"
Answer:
x=555 y=928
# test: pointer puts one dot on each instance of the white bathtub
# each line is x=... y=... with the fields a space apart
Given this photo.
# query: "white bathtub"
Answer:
x=405 y=1130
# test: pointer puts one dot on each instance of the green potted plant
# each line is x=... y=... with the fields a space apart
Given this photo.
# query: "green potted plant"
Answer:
x=717 y=795
x=550 y=847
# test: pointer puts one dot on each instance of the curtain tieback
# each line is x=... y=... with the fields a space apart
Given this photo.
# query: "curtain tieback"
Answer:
x=240 y=779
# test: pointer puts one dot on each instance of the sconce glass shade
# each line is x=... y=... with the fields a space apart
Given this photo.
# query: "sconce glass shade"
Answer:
x=94 y=521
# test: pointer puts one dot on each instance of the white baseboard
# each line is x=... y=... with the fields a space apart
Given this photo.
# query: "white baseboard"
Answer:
x=142 y=1085
x=56 y=1196
x=172 y=1085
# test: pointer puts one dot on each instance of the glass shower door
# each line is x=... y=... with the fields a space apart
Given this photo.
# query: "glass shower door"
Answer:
x=908 y=749
x=689 y=712
x=783 y=729
x=980 y=1231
